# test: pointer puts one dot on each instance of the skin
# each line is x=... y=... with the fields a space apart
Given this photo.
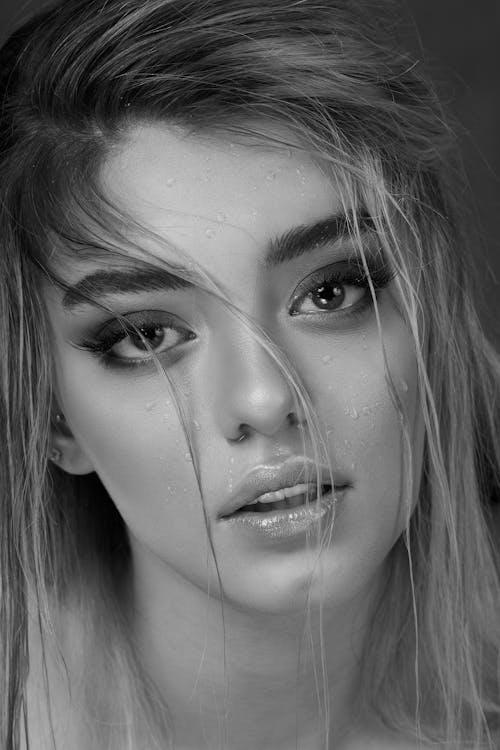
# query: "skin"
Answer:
x=221 y=204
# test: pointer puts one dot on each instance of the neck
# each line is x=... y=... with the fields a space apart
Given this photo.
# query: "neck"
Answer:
x=264 y=673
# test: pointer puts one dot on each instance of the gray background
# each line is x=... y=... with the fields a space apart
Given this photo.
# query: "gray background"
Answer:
x=461 y=38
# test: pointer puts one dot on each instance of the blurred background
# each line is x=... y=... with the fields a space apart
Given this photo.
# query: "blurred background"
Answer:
x=461 y=40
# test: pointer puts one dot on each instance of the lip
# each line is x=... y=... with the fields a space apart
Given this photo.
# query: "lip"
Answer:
x=271 y=477
x=286 y=524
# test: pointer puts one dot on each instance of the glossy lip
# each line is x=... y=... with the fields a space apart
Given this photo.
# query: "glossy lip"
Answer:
x=288 y=523
x=271 y=477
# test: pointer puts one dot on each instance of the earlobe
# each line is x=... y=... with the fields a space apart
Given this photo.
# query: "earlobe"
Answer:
x=66 y=452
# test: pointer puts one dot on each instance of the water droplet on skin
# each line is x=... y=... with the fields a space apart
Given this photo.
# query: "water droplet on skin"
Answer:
x=404 y=386
x=366 y=410
x=150 y=405
x=330 y=387
x=187 y=456
x=288 y=152
x=326 y=359
x=271 y=176
x=196 y=425
x=210 y=233
x=355 y=414
x=231 y=460
x=221 y=217
x=353 y=465
x=170 y=182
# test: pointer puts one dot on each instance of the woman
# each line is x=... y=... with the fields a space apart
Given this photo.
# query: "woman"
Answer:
x=250 y=419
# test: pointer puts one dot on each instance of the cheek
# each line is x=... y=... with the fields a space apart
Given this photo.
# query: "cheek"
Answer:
x=133 y=437
x=365 y=431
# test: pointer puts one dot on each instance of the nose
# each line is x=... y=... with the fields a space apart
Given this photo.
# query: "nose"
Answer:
x=252 y=393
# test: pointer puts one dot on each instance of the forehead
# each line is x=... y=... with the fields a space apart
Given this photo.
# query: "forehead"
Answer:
x=214 y=198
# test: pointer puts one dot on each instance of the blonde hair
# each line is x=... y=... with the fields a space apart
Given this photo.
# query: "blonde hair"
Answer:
x=73 y=80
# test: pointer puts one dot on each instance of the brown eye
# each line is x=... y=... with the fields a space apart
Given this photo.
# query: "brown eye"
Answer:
x=329 y=296
x=154 y=336
x=151 y=339
x=137 y=337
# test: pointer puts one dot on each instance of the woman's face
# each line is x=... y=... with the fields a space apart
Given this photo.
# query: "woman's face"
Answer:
x=231 y=209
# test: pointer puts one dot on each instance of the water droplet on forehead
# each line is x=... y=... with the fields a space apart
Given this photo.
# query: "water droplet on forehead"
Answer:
x=210 y=233
x=326 y=359
x=170 y=182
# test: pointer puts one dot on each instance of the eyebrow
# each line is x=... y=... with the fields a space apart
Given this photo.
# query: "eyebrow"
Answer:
x=286 y=247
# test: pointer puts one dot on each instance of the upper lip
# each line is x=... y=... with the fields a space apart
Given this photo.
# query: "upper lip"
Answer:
x=270 y=477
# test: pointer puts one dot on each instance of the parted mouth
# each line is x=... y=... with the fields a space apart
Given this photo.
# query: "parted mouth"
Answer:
x=276 y=486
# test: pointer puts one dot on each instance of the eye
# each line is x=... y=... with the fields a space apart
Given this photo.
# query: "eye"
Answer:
x=136 y=338
x=341 y=287
x=139 y=344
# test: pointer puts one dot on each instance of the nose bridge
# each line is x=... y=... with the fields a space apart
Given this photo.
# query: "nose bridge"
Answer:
x=252 y=391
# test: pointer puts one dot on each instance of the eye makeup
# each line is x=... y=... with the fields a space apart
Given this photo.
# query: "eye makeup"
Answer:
x=148 y=332
x=326 y=287
x=334 y=293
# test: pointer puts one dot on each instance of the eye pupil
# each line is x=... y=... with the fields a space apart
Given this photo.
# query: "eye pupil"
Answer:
x=154 y=335
x=327 y=296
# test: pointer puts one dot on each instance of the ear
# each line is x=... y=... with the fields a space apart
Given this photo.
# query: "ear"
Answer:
x=66 y=451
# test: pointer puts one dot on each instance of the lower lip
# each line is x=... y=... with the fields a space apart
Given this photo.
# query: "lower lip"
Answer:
x=289 y=522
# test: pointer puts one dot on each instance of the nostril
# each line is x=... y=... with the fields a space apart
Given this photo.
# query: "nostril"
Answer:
x=243 y=431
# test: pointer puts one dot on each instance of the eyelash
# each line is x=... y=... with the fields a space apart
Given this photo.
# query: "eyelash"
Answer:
x=344 y=273
x=135 y=325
